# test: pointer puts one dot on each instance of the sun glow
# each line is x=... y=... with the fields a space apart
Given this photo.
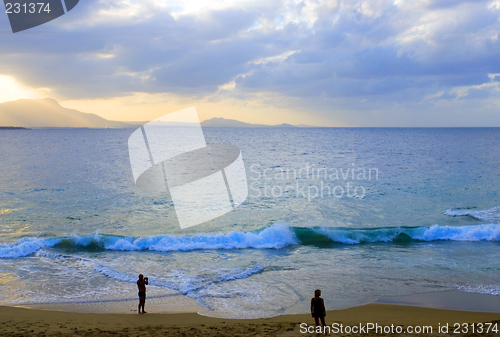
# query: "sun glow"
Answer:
x=11 y=90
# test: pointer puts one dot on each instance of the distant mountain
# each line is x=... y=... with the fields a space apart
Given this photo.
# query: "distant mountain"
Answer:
x=218 y=122
x=47 y=113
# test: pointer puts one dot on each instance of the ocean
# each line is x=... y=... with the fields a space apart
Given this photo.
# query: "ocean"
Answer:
x=358 y=212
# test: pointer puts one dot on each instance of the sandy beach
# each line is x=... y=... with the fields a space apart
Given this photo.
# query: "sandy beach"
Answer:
x=16 y=321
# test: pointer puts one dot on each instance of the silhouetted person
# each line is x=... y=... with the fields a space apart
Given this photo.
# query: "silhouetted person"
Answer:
x=318 y=308
x=141 y=283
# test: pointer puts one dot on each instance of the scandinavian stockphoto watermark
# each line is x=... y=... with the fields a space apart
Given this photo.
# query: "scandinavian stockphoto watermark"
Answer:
x=26 y=14
x=170 y=154
x=310 y=181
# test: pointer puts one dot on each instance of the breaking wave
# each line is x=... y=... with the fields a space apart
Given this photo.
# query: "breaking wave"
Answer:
x=273 y=237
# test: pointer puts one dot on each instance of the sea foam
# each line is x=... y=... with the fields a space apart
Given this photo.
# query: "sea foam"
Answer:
x=491 y=215
x=273 y=237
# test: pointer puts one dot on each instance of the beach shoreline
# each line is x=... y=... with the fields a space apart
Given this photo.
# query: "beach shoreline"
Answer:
x=29 y=322
x=190 y=321
x=177 y=303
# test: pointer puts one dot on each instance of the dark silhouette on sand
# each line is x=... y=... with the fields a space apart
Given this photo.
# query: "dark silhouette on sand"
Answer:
x=318 y=308
x=141 y=283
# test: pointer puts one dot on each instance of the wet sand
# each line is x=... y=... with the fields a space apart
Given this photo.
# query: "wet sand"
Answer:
x=15 y=321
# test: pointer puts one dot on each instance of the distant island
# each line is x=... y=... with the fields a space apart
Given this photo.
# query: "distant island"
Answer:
x=219 y=122
x=12 y=128
x=48 y=113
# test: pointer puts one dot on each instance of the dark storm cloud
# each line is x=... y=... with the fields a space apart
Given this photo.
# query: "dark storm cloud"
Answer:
x=346 y=50
x=358 y=56
x=190 y=55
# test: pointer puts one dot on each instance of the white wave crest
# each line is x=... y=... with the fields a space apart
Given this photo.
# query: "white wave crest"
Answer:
x=276 y=236
x=489 y=232
x=25 y=247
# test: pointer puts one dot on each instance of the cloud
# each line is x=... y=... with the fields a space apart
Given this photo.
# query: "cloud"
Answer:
x=364 y=54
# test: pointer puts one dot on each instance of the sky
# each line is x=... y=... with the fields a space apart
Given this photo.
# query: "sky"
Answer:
x=325 y=63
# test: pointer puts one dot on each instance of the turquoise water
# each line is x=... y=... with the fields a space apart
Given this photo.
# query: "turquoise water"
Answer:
x=360 y=213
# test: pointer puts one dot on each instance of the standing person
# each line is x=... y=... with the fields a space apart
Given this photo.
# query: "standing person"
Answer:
x=318 y=308
x=141 y=283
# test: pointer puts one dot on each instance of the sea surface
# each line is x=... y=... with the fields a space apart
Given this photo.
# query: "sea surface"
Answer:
x=359 y=213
